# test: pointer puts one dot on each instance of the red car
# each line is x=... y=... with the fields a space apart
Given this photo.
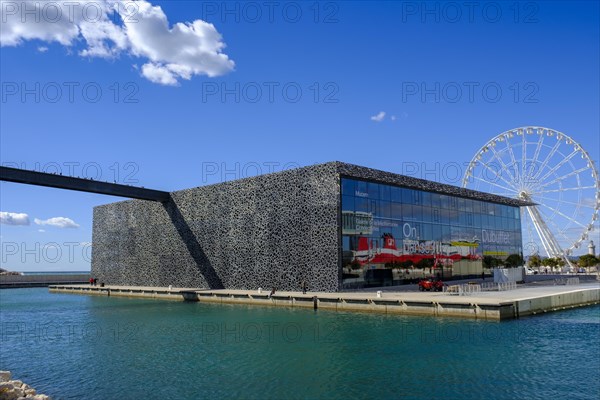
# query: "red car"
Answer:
x=431 y=284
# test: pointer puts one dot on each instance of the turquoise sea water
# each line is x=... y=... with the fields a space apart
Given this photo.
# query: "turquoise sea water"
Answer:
x=73 y=347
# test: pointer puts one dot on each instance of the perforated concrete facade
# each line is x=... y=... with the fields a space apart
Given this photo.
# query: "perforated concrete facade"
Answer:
x=271 y=230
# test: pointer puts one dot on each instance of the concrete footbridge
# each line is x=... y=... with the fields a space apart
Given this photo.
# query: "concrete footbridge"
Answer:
x=17 y=175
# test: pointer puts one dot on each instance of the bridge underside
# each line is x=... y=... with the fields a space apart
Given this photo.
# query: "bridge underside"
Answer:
x=79 y=184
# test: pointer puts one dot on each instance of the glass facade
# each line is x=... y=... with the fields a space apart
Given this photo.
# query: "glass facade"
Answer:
x=392 y=233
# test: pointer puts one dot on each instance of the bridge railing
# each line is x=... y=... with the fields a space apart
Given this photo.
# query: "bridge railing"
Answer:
x=468 y=289
x=567 y=281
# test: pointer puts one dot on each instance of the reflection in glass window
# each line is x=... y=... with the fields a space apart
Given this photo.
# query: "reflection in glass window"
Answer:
x=361 y=189
x=348 y=203
x=445 y=233
x=444 y=216
x=453 y=202
x=484 y=221
x=407 y=212
x=396 y=194
x=407 y=196
x=384 y=192
x=346 y=243
x=436 y=202
x=427 y=214
x=371 y=209
x=373 y=190
x=455 y=233
x=436 y=215
x=385 y=209
x=453 y=217
x=498 y=209
x=484 y=207
x=416 y=197
x=417 y=213
x=469 y=205
x=396 y=210
x=361 y=204
x=445 y=201
x=348 y=186
x=426 y=199
x=426 y=233
x=436 y=232
x=374 y=207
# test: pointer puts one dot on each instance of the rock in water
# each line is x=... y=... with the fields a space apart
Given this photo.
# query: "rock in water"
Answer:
x=5 y=376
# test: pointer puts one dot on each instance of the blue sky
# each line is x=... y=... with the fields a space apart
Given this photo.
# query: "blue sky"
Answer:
x=240 y=107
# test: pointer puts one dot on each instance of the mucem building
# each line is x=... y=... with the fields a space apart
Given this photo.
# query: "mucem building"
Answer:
x=331 y=225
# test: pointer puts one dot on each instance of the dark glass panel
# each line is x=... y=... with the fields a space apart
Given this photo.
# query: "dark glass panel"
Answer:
x=477 y=220
x=407 y=195
x=436 y=232
x=436 y=202
x=348 y=203
x=384 y=192
x=385 y=209
x=348 y=186
x=426 y=199
x=361 y=204
x=396 y=194
x=396 y=210
x=407 y=213
x=436 y=215
x=445 y=201
x=427 y=214
x=361 y=189
x=418 y=213
x=373 y=190
x=427 y=232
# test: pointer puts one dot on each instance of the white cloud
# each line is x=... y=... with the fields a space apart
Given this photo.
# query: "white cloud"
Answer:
x=41 y=230
x=379 y=117
x=42 y=49
x=393 y=117
x=59 y=222
x=10 y=218
x=159 y=74
x=108 y=28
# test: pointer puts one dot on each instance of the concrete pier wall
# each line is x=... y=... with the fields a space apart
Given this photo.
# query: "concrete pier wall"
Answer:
x=491 y=306
x=559 y=301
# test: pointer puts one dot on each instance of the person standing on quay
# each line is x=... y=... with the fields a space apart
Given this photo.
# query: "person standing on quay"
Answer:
x=303 y=287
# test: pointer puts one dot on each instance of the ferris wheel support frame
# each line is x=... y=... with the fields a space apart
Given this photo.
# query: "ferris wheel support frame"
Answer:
x=549 y=242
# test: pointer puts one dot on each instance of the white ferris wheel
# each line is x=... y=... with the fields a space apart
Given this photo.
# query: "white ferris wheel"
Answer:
x=550 y=169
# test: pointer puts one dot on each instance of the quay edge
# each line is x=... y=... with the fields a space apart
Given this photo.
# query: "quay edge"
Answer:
x=491 y=306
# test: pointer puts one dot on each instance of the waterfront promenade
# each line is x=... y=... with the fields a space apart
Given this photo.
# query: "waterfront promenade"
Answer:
x=489 y=305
